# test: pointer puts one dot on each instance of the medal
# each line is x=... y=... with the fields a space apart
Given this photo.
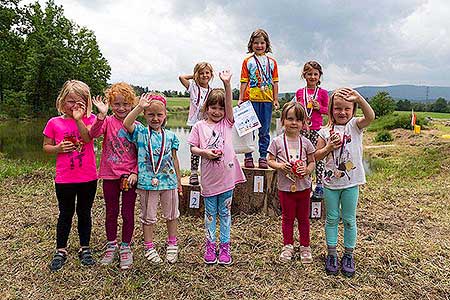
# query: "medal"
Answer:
x=266 y=80
x=155 y=181
x=341 y=167
x=308 y=103
x=298 y=163
x=198 y=94
x=293 y=188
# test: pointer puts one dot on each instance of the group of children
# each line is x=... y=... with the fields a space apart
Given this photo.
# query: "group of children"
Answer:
x=142 y=160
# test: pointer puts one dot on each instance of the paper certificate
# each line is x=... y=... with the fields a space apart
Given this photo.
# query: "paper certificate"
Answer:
x=245 y=118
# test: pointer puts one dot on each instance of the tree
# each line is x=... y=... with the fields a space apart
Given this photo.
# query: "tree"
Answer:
x=403 y=105
x=382 y=103
x=440 y=105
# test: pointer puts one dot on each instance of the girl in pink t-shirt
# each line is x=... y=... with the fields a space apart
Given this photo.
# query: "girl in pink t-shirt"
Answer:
x=197 y=85
x=315 y=102
x=118 y=169
x=67 y=136
x=220 y=169
x=293 y=156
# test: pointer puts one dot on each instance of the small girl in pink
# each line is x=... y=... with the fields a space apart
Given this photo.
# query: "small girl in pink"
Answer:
x=67 y=136
x=315 y=102
x=220 y=169
x=118 y=169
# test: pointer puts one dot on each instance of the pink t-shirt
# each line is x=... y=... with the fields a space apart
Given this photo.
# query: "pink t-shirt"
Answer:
x=278 y=150
x=76 y=166
x=217 y=176
x=119 y=156
x=316 y=115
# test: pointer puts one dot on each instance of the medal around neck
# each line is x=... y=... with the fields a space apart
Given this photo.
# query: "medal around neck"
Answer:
x=155 y=181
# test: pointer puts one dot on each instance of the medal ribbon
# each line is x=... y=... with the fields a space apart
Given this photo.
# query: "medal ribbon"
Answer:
x=337 y=162
x=198 y=95
x=286 y=149
x=264 y=76
x=161 y=153
x=305 y=98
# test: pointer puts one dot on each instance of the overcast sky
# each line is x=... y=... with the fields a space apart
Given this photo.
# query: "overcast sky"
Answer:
x=382 y=42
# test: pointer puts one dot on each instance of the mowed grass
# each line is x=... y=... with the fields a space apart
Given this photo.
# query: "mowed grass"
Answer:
x=403 y=248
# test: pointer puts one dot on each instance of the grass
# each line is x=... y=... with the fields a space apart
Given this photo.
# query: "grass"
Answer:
x=403 y=249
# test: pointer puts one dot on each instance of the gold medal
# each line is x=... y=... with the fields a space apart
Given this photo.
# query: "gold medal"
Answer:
x=155 y=181
x=309 y=104
x=293 y=188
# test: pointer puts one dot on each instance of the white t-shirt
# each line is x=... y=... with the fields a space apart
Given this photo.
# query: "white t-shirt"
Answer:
x=344 y=166
x=197 y=95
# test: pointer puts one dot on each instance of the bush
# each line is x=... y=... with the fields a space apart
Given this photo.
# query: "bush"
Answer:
x=382 y=104
x=384 y=136
x=15 y=105
x=396 y=120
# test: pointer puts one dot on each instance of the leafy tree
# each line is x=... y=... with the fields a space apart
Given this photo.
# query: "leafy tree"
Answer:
x=440 y=105
x=382 y=103
x=403 y=105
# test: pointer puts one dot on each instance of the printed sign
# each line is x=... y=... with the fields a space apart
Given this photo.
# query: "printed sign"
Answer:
x=258 y=184
x=316 y=209
x=245 y=118
x=194 y=199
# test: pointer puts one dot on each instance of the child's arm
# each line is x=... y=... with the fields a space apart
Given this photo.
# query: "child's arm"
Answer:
x=184 y=79
x=311 y=165
x=206 y=153
x=63 y=147
x=225 y=76
x=353 y=96
x=276 y=104
x=282 y=166
x=242 y=89
x=102 y=106
x=78 y=114
x=128 y=123
x=176 y=164
x=324 y=148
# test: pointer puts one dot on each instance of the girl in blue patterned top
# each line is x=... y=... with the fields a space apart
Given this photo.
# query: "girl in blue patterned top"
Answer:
x=158 y=172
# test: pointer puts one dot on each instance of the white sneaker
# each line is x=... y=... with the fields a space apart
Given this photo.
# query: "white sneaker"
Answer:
x=152 y=256
x=172 y=254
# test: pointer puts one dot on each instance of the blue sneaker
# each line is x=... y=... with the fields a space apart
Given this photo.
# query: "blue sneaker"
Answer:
x=318 y=192
x=331 y=265
x=348 y=265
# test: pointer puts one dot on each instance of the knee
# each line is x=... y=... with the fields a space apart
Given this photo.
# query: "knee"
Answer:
x=332 y=220
x=349 y=222
x=149 y=220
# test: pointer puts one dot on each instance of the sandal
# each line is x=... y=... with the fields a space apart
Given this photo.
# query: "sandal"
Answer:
x=305 y=255
x=58 y=260
x=152 y=255
x=172 y=254
x=193 y=179
x=85 y=256
x=287 y=253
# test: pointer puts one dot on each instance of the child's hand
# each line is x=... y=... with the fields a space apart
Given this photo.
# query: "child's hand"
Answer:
x=286 y=167
x=65 y=147
x=225 y=76
x=350 y=95
x=79 y=111
x=144 y=101
x=303 y=170
x=316 y=105
x=132 y=179
x=180 y=188
x=276 y=104
x=334 y=142
x=101 y=105
x=240 y=101
x=212 y=154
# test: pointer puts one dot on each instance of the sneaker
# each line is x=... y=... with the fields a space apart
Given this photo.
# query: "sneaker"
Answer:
x=58 y=260
x=248 y=162
x=193 y=179
x=262 y=163
x=287 y=253
x=172 y=253
x=85 y=255
x=348 y=265
x=331 y=265
x=305 y=255
x=110 y=253
x=210 y=253
x=225 y=254
x=126 y=257
x=152 y=255
x=318 y=192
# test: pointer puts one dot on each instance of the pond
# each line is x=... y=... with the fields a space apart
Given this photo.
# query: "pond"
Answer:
x=23 y=139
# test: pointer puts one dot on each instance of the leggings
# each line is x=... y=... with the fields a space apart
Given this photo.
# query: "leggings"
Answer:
x=337 y=202
x=66 y=193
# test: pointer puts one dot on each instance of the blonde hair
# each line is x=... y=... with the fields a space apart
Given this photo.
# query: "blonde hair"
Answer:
x=299 y=111
x=121 y=88
x=312 y=65
x=331 y=119
x=256 y=34
x=201 y=66
x=79 y=88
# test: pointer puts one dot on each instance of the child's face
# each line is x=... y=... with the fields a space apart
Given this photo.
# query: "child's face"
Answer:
x=342 y=111
x=312 y=76
x=215 y=112
x=155 y=115
x=204 y=76
x=259 y=45
x=120 y=107
x=291 y=124
x=71 y=103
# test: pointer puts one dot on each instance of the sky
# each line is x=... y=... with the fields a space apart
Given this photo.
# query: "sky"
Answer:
x=382 y=42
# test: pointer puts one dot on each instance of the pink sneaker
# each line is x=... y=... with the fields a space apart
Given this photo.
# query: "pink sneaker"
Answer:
x=210 y=253
x=225 y=254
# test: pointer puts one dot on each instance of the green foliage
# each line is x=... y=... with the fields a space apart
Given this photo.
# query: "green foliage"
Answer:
x=40 y=50
x=396 y=120
x=15 y=104
x=384 y=136
x=382 y=104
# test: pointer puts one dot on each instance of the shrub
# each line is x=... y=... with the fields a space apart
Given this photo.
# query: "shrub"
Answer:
x=384 y=136
x=382 y=104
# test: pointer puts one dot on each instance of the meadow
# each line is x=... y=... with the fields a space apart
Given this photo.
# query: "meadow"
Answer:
x=403 y=249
